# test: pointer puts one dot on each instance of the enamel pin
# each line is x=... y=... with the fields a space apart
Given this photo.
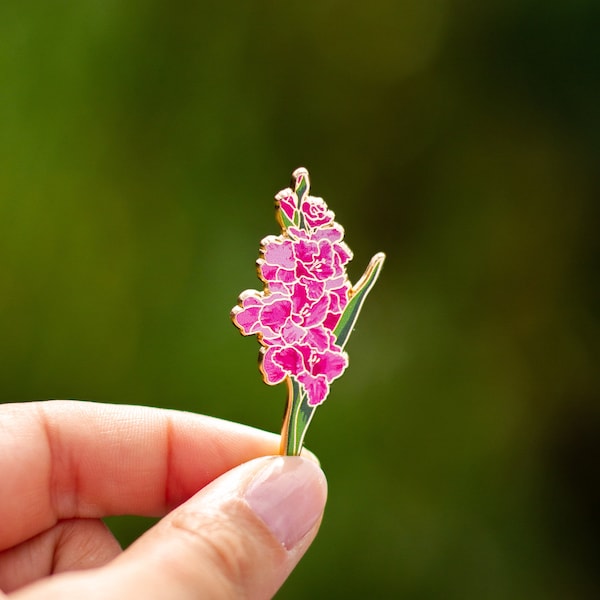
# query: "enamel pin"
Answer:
x=308 y=307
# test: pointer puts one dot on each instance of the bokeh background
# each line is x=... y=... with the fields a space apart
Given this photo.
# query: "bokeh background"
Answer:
x=141 y=144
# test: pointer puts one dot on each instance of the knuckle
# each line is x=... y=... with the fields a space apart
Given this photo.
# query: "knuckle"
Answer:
x=228 y=555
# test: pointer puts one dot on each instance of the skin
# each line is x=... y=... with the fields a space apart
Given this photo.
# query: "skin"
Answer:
x=66 y=465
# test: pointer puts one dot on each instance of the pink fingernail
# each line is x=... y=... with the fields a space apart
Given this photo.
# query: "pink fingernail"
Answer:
x=289 y=496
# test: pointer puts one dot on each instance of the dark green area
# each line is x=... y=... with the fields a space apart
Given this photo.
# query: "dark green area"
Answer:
x=141 y=144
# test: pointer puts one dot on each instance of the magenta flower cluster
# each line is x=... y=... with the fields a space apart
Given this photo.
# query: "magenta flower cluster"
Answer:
x=306 y=291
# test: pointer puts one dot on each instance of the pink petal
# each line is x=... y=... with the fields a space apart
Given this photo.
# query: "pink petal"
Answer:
x=296 y=233
x=292 y=333
x=272 y=371
x=337 y=283
x=305 y=251
x=318 y=264
x=300 y=298
x=333 y=233
x=280 y=254
x=315 y=315
x=289 y=359
x=315 y=212
x=279 y=288
x=338 y=299
x=344 y=252
x=314 y=288
x=316 y=388
x=286 y=276
x=331 y=321
x=275 y=314
x=251 y=298
x=331 y=364
x=287 y=203
x=247 y=319
x=268 y=272
x=272 y=274
x=318 y=339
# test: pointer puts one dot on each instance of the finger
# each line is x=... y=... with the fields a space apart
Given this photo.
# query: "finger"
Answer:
x=237 y=538
x=72 y=545
x=65 y=459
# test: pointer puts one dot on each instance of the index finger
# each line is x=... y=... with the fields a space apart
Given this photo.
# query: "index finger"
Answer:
x=67 y=459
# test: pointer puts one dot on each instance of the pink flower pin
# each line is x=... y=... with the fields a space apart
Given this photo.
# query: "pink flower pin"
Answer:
x=304 y=315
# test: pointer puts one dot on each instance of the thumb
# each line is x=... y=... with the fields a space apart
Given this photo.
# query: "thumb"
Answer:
x=239 y=537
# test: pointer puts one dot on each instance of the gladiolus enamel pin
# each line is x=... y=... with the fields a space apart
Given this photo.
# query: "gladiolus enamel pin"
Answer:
x=308 y=307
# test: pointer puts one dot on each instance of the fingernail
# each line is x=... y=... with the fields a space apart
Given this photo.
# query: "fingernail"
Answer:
x=311 y=456
x=289 y=496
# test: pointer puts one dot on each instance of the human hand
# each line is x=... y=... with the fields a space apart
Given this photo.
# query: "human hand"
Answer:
x=65 y=465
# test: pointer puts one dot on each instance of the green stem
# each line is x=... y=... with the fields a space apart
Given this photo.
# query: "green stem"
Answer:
x=297 y=419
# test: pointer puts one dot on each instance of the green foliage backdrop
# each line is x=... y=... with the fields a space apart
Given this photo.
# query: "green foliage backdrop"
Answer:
x=140 y=146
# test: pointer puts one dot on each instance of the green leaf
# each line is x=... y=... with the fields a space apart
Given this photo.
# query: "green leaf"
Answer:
x=284 y=221
x=358 y=296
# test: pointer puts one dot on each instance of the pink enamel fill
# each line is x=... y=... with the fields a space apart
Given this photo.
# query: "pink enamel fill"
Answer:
x=280 y=254
x=292 y=333
x=314 y=289
x=272 y=371
x=306 y=292
x=247 y=319
x=316 y=213
x=305 y=250
x=275 y=314
x=315 y=314
x=287 y=203
x=331 y=320
x=289 y=358
x=334 y=232
x=318 y=338
x=315 y=260
x=316 y=388
x=331 y=364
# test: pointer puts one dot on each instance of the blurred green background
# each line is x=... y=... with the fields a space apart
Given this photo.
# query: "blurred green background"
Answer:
x=141 y=144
